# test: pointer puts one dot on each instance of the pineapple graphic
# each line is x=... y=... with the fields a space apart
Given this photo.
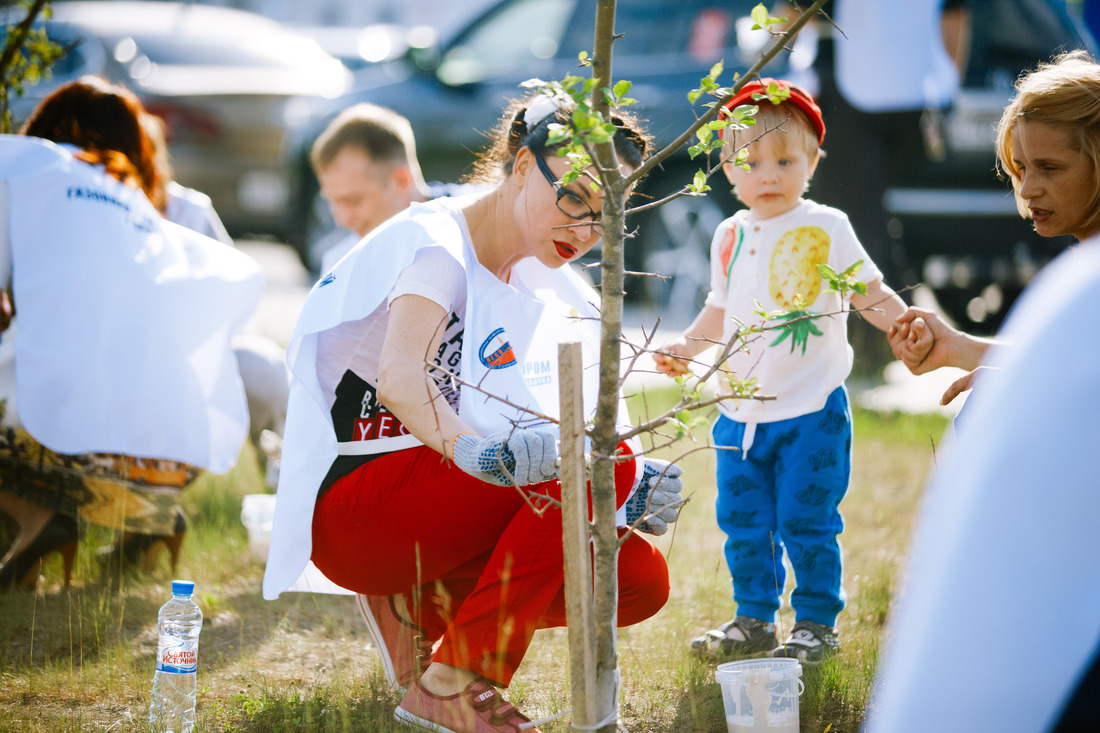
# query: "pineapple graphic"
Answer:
x=794 y=282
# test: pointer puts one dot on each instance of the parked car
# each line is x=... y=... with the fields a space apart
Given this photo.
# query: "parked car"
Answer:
x=228 y=84
x=954 y=223
x=359 y=47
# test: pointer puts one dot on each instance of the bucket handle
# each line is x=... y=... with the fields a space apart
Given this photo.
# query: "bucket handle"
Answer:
x=801 y=686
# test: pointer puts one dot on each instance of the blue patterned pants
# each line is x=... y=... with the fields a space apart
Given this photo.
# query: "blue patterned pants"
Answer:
x=784 y=496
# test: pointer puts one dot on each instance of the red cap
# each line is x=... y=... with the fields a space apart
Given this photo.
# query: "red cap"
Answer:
x=798 y=97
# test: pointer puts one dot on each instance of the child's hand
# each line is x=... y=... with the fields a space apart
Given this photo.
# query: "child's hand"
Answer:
x=920 y=342
x=898 y=336
x=917 y=344
x=912 y=338
x=672 y=359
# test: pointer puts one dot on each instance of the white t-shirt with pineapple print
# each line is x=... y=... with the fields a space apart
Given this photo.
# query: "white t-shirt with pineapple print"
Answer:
x=773 y=263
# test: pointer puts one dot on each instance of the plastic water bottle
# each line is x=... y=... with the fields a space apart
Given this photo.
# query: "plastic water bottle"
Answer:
x=172 y=709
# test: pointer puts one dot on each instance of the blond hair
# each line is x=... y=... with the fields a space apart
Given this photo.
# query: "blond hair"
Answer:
x=794 y=129
x=1064 y=93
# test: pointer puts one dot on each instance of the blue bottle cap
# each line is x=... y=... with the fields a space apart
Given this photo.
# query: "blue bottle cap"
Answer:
x=182 y=587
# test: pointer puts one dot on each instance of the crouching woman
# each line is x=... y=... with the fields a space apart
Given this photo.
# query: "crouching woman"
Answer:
x=418 y=491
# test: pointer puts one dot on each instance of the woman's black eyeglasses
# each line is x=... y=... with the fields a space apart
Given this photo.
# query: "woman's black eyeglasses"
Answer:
x=569 y=203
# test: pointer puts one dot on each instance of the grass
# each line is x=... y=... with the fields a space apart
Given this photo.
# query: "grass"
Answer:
x=81 y=658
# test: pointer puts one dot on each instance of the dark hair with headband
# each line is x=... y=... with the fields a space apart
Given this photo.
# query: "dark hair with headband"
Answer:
x=513 y=132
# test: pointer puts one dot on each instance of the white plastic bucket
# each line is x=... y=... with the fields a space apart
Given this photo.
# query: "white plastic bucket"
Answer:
x=761 y=695
x=257 y=513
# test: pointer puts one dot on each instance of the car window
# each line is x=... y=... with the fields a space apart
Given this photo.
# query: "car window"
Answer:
x=495 y=47
x=700 y=32
x=1001 y=48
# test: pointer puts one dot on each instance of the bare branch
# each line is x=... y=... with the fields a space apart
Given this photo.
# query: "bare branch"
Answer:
x=444 y=372
x=710 y=171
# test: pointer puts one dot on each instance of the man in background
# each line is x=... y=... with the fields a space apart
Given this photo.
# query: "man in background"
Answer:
x=365 y=162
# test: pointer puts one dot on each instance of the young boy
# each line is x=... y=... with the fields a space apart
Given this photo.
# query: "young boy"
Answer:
x=782 y=464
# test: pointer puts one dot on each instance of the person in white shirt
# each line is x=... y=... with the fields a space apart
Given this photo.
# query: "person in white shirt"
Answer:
x=120 y=344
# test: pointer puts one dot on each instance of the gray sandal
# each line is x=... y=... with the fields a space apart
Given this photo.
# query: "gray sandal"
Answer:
x=741 y=637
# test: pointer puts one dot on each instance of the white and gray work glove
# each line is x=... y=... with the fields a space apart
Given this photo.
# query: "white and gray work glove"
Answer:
x=657 y=498
x=511 y=457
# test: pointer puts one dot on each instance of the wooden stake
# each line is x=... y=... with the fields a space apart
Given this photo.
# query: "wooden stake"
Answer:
x=579 y=606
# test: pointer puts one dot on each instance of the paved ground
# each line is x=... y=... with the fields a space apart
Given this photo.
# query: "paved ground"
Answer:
x=287 y=284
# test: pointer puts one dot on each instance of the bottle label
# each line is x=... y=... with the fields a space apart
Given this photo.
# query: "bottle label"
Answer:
x=176 y=656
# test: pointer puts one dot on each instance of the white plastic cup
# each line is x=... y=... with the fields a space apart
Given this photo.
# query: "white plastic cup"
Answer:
x=761 y=695
x=257 y=514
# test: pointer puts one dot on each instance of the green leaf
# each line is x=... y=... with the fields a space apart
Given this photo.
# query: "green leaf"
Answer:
x=699 y=183
x=622 y=87
x=744 y=114
x=599 y=135
x=759 y=16
x=741 y=387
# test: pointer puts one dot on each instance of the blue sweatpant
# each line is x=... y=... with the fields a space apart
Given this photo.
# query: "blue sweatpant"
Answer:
x=784 y=495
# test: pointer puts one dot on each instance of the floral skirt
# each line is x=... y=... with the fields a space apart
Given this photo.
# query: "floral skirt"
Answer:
x=121 y=492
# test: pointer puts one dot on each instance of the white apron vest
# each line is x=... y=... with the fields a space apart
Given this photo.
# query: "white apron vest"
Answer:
x=125 y=319
x=509 y=348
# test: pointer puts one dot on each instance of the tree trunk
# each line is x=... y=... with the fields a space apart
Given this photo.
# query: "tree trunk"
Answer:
x=604 y=436
x=597 y=703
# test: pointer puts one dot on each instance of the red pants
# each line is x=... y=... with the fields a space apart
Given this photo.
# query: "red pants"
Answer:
x=481 y=569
